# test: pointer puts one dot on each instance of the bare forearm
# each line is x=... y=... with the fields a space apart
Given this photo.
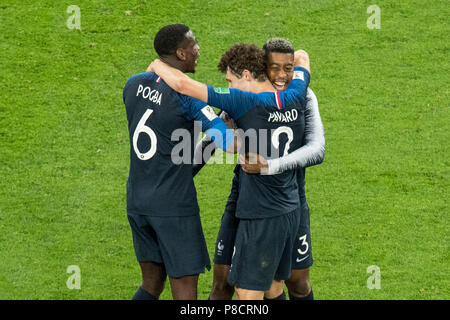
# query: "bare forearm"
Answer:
x=179 y=81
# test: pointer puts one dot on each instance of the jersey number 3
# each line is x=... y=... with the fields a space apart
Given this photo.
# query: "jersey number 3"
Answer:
x=142 y=128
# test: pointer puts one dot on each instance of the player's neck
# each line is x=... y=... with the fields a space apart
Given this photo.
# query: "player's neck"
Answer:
x=174 y=62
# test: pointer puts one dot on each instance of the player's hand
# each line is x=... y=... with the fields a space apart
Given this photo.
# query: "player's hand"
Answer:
x=301 y=59
x=151 y=66
x=229 y=121
x=253 y=163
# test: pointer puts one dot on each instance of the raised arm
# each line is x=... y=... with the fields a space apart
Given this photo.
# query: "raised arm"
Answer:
x=301 y=59
x=179 y=81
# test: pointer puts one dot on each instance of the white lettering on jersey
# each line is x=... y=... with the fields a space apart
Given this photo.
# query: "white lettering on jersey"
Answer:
x=286 y=116
x=147 y=93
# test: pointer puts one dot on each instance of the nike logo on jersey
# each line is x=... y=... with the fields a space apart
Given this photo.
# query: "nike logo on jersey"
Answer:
x=300 y=260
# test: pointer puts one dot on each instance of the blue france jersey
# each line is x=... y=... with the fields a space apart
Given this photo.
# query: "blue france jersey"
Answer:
x=273 y=125
x=159 y=122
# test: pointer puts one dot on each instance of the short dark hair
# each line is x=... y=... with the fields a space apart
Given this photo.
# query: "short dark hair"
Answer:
x=244 y=56
x=278 y=45
x=169 y=38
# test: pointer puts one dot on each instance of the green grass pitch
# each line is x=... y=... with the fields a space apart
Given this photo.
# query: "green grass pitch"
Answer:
x=379 y=198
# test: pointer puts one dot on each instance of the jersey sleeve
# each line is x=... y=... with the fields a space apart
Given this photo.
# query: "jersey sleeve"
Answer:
x=234 y=101
x=300 y=81
x=312 y=152
x=211 y=124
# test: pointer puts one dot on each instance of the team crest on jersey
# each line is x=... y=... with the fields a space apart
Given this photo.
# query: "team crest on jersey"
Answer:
x=222 y=90
x=220 y=247
x=298 y=75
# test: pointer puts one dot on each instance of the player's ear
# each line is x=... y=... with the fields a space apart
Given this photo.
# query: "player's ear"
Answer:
x=181 y=54
x=247 y=75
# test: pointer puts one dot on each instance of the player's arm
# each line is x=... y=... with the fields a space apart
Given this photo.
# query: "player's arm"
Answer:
x=297 y=89
x=179 y=81
x=229 y=100
x=211 y=124
x=200 y=158
x=311 y=153
x=301 y=59
x=224 y=137
x=234 y=101
x=206 y=148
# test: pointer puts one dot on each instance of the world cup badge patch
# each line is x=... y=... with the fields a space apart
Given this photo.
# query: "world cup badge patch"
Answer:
x=298 y=75
x=209 y=113
x=222 y=90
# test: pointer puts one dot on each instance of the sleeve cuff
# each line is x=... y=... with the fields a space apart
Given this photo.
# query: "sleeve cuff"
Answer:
x=273 y=167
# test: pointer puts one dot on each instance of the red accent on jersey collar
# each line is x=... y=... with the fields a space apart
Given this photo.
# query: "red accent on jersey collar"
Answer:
x=278 y=100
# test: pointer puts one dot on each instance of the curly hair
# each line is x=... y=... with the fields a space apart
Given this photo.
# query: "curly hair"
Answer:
x=278 y=45
x=169 y=38
x=242 y=57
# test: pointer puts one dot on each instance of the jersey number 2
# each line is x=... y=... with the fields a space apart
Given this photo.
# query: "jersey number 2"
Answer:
x=276 y=135
x=142 y=128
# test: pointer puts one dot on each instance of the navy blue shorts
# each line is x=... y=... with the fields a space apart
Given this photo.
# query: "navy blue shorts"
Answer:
x=228 y=227
x=263 y=251
x=176 y=242
x=302 y=257
x=302 y=254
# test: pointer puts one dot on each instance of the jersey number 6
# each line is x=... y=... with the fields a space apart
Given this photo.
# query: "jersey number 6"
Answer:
x=142 y=128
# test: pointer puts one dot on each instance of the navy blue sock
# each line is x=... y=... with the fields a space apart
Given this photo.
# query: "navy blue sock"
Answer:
x=142 y=294
x=280 y=297
x=310 y=296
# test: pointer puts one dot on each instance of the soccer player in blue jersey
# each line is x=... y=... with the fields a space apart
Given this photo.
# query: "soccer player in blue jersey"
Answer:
x=267 y=206
x=162 y=204
x=280 y=60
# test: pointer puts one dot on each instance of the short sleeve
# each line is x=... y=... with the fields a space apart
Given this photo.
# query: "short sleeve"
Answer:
x=234 y=101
